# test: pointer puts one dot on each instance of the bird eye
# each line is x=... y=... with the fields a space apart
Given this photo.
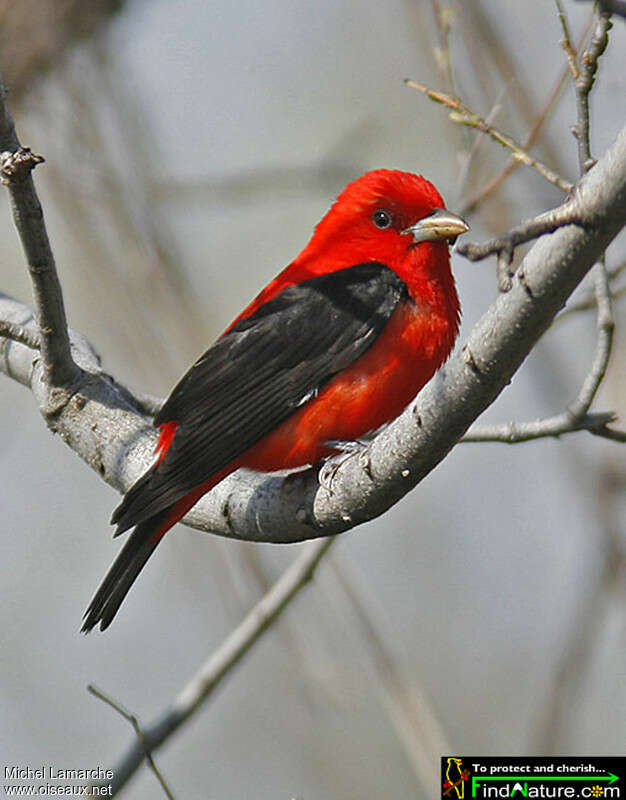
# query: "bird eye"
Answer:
x=382 y=219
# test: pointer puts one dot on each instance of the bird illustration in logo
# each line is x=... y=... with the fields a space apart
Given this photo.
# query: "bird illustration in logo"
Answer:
x=456 y=776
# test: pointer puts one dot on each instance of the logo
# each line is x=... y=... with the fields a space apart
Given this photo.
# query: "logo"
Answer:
x=518 y=777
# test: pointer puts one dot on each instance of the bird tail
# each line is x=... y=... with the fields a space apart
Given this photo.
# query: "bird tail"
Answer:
x=140 y=545
x=131 y=560
x=122 y=574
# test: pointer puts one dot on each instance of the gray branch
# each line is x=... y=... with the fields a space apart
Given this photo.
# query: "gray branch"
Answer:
x=17 y=333
x=104 y=424
x=555 y=426
x=504 y=246
x=584 y=85
x=16 y=165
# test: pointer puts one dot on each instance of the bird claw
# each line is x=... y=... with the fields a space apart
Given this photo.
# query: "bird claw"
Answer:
x=347 y=450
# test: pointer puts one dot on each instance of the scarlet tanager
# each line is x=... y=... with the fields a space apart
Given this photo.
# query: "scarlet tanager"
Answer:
x=335 y=346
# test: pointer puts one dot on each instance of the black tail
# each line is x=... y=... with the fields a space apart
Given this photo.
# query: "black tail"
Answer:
x=121 y=576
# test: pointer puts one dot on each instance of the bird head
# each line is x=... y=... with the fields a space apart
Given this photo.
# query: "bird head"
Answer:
x=393 y=217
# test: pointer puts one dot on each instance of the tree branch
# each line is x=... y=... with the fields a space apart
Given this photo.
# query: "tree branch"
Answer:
x=16 y=164
x=584 y=84
x=504 y=246
x=17 y=333
x=141 y=736
x=605 y=326
x=550 y=427
x=566 y=42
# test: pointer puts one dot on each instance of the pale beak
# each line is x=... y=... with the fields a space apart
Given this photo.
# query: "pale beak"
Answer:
x=440 y=225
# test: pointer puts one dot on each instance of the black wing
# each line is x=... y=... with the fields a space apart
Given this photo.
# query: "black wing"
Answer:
x=259 y=373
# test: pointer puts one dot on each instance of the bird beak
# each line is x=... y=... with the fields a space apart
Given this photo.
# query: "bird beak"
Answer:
x=440 y=225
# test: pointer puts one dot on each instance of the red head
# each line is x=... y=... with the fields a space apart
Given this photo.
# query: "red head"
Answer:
x=392 y=217
x=389 y=216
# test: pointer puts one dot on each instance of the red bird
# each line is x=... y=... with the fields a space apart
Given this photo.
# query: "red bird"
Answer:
x=335 y=346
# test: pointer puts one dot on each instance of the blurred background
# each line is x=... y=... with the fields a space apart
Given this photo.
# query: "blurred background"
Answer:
x=190 y=149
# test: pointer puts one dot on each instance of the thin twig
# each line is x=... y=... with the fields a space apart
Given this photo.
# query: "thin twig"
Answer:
x=611 y=433
x=548 y=428
x=18 y=333
x=504 y=246
x=566 y=42
x=548 y=222
x=584 y=85
x=130 y=717
x=16 y=164
x=605 y=326
x=463 y=115
x=223 y=660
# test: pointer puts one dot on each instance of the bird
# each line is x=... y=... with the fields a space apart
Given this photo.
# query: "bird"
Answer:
x=334 y=347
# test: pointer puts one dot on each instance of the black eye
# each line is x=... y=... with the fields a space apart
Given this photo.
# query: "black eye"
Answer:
x=382 y=218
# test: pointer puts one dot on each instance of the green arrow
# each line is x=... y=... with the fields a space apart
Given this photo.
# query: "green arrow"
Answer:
x=477 y=778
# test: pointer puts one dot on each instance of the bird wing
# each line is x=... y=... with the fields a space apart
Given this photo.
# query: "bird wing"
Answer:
x=258 y=373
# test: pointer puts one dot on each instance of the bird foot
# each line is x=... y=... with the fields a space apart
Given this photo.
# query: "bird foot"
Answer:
x=346 y=450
